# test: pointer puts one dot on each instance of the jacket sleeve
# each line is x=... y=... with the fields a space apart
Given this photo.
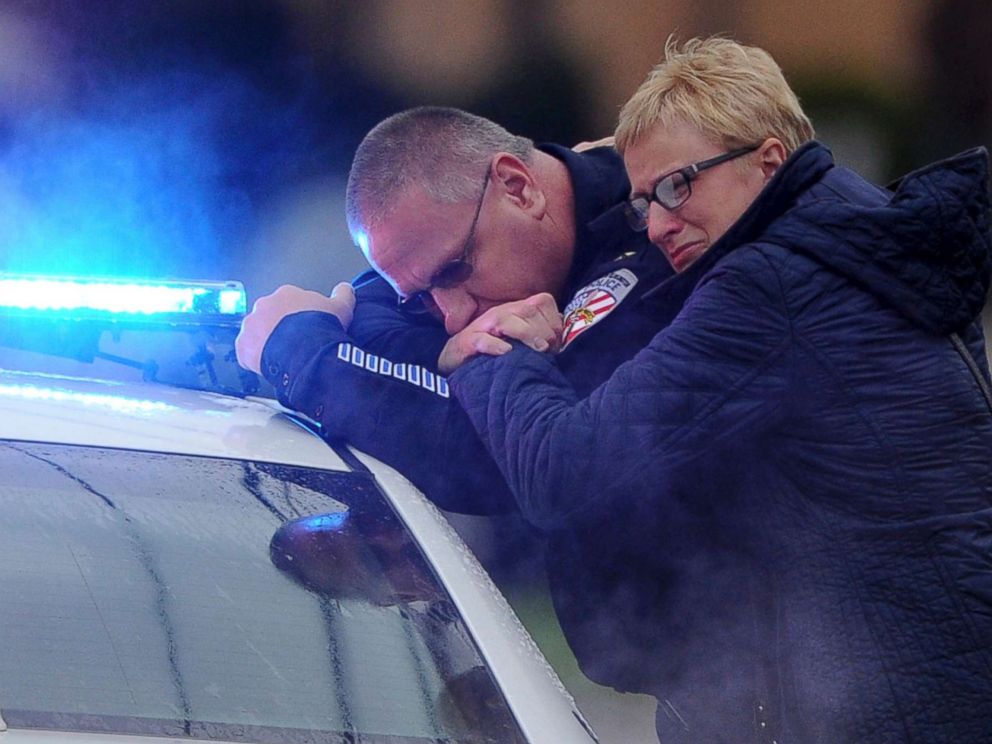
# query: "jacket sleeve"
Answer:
x=397 y=410
x=708 y=378
x=380 y=327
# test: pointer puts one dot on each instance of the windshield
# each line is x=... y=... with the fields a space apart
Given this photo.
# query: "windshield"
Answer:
x=190 y=596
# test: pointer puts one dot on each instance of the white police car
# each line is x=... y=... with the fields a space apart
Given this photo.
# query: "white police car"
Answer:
x=181 y=564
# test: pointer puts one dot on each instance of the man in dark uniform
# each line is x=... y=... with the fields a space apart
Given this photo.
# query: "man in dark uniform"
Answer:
x=464 y=220
x=460 y=217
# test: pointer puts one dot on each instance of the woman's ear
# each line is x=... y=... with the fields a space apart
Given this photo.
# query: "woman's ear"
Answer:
x=771 y=155
x=518 y=183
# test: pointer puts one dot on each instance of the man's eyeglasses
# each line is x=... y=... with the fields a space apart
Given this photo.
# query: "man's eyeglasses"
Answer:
x=453 y=273
x=673 y=189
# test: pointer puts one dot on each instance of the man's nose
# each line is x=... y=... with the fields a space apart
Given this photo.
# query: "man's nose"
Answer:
x=663 y=225
x=457 y=306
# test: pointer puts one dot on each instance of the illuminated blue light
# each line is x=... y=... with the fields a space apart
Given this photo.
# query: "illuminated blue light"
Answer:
x=66 y=295
x=325 y=522
x=113 y=298
x=115 y=403
x=232 y=302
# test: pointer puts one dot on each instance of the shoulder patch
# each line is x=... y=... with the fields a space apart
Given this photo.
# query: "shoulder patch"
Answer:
x=594 y=302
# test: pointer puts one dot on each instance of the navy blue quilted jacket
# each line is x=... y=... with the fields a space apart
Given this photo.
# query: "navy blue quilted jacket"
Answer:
x=778 y=516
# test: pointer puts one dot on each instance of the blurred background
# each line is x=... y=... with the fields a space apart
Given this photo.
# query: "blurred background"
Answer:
x=212 y=138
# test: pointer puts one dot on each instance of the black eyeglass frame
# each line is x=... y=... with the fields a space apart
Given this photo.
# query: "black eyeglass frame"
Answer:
x=454 y=272
x=637 y=209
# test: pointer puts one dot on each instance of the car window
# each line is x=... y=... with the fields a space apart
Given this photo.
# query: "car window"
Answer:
x=193 y=596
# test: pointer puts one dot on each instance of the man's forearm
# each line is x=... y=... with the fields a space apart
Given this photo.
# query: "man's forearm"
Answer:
x=400 y=413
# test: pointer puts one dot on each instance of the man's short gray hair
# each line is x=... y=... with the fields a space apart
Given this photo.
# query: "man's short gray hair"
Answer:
x=444 y=150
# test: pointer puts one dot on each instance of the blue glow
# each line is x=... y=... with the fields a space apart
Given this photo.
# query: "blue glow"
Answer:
x=64 y=295
x=361 y=239
x=117 y=403
x=233 y=302
x=325 y=522
x=91 y=196
x=168 y=147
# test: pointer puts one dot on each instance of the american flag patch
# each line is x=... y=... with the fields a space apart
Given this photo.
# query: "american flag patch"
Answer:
x=594 y=302
x=408 y=373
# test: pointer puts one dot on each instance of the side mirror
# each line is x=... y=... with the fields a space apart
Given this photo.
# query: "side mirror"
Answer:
x=350 y=555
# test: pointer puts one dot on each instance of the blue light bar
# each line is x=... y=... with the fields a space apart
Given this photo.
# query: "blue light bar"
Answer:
x=77 y=298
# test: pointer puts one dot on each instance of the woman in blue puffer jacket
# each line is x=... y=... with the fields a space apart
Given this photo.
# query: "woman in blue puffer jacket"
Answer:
x=791 y=486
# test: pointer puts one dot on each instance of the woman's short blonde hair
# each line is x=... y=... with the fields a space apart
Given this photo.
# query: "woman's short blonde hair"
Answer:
x=733 y=94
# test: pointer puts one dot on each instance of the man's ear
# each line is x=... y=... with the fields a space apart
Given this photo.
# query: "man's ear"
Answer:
x=518 y=183
x=771 y=155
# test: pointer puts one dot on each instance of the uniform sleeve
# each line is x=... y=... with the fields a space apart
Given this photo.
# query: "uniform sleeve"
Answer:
x=708 y=378
x=379 y=326
x=395 y=409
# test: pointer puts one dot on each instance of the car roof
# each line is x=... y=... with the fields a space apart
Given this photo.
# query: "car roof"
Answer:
x=146 y=416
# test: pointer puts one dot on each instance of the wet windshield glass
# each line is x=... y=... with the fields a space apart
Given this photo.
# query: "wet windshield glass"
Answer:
x=186 y=596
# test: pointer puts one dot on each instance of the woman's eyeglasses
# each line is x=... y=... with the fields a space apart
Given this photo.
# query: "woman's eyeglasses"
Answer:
x=673 y=189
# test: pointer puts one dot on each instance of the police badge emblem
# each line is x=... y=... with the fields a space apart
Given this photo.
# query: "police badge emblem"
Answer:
x=594 y=302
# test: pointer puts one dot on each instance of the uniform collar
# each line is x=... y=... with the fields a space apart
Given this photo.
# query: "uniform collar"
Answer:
x=600 y=189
